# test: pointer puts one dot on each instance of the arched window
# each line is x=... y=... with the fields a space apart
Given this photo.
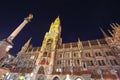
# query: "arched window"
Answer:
x=78 y=78
x=56 y=78
x=41 y=70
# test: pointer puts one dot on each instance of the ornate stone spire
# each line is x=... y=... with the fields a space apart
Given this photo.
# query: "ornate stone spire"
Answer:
x=19 y=28
x=79 y=43
x=78 y=40
x=57 y=20
x=104 y=34
x=55 y=25
x=111 y=33
x=26 y=45
x=117 y=24
x=116 y=30
x=112 y=26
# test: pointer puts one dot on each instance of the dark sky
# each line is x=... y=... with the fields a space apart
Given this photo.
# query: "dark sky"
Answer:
x=78 y=19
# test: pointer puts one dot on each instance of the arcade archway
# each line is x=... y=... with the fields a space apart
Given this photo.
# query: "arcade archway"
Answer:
x=78 y=78
x=41 y=77
x=56 y=78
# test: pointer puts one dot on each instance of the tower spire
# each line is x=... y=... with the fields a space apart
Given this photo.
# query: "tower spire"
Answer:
x=57 y=20
x=111 y=33
x=117 y=24
x=78 y=40
x=26 y=45
x=104 y=34
x=55 y=25
x=114 y=27
x=19 y=28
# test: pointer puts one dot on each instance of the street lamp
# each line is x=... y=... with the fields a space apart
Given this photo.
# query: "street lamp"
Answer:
x=31 y=74
x=58 y=70
x=78 y=79
x=67 y=77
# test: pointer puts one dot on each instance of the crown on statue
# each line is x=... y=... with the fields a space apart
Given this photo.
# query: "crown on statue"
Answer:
x=29 y=17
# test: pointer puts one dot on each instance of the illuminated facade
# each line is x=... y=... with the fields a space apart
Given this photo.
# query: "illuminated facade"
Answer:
x=7 y=44
x=82 y=60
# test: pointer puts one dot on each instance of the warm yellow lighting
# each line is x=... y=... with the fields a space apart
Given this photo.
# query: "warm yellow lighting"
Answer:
x=67 y=77
x=30 y=16
x=31 y=74
x=21 y=78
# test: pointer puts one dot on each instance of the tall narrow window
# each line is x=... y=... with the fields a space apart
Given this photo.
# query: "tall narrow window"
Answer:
x=115 y=62
x=57 y=62
x=96 y=53
x=88 y=55
x=111 y=62
x=103 y=63
x=68 y=62
x=84 y=65
x=107 y=53
x=60 y=55
x=78 y=62
x=74 y=54
x=60 y=62
x=91 y=63
x=99 y=63
x=100 y=54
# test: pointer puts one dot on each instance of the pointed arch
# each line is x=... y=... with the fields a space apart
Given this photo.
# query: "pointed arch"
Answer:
x=56 y=78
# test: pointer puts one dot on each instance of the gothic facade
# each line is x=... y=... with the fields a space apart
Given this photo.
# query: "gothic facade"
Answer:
x=82 y=60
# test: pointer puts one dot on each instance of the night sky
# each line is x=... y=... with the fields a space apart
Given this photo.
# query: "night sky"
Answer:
x=78 y=19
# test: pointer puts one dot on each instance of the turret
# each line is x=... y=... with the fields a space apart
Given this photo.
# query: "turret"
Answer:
x=26 y=45
x=104 y=34
x=108 y=39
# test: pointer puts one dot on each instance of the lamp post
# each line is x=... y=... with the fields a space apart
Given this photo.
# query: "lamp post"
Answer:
x=67 y=77
x=59 y=70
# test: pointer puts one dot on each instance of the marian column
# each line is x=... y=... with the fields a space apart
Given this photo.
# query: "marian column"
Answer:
x=6 y=44
x=19 y=28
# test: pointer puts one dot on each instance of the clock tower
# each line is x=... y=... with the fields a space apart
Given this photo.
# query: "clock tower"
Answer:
x=51 y=39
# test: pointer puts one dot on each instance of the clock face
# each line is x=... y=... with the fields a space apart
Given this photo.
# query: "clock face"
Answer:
x=49 y=42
